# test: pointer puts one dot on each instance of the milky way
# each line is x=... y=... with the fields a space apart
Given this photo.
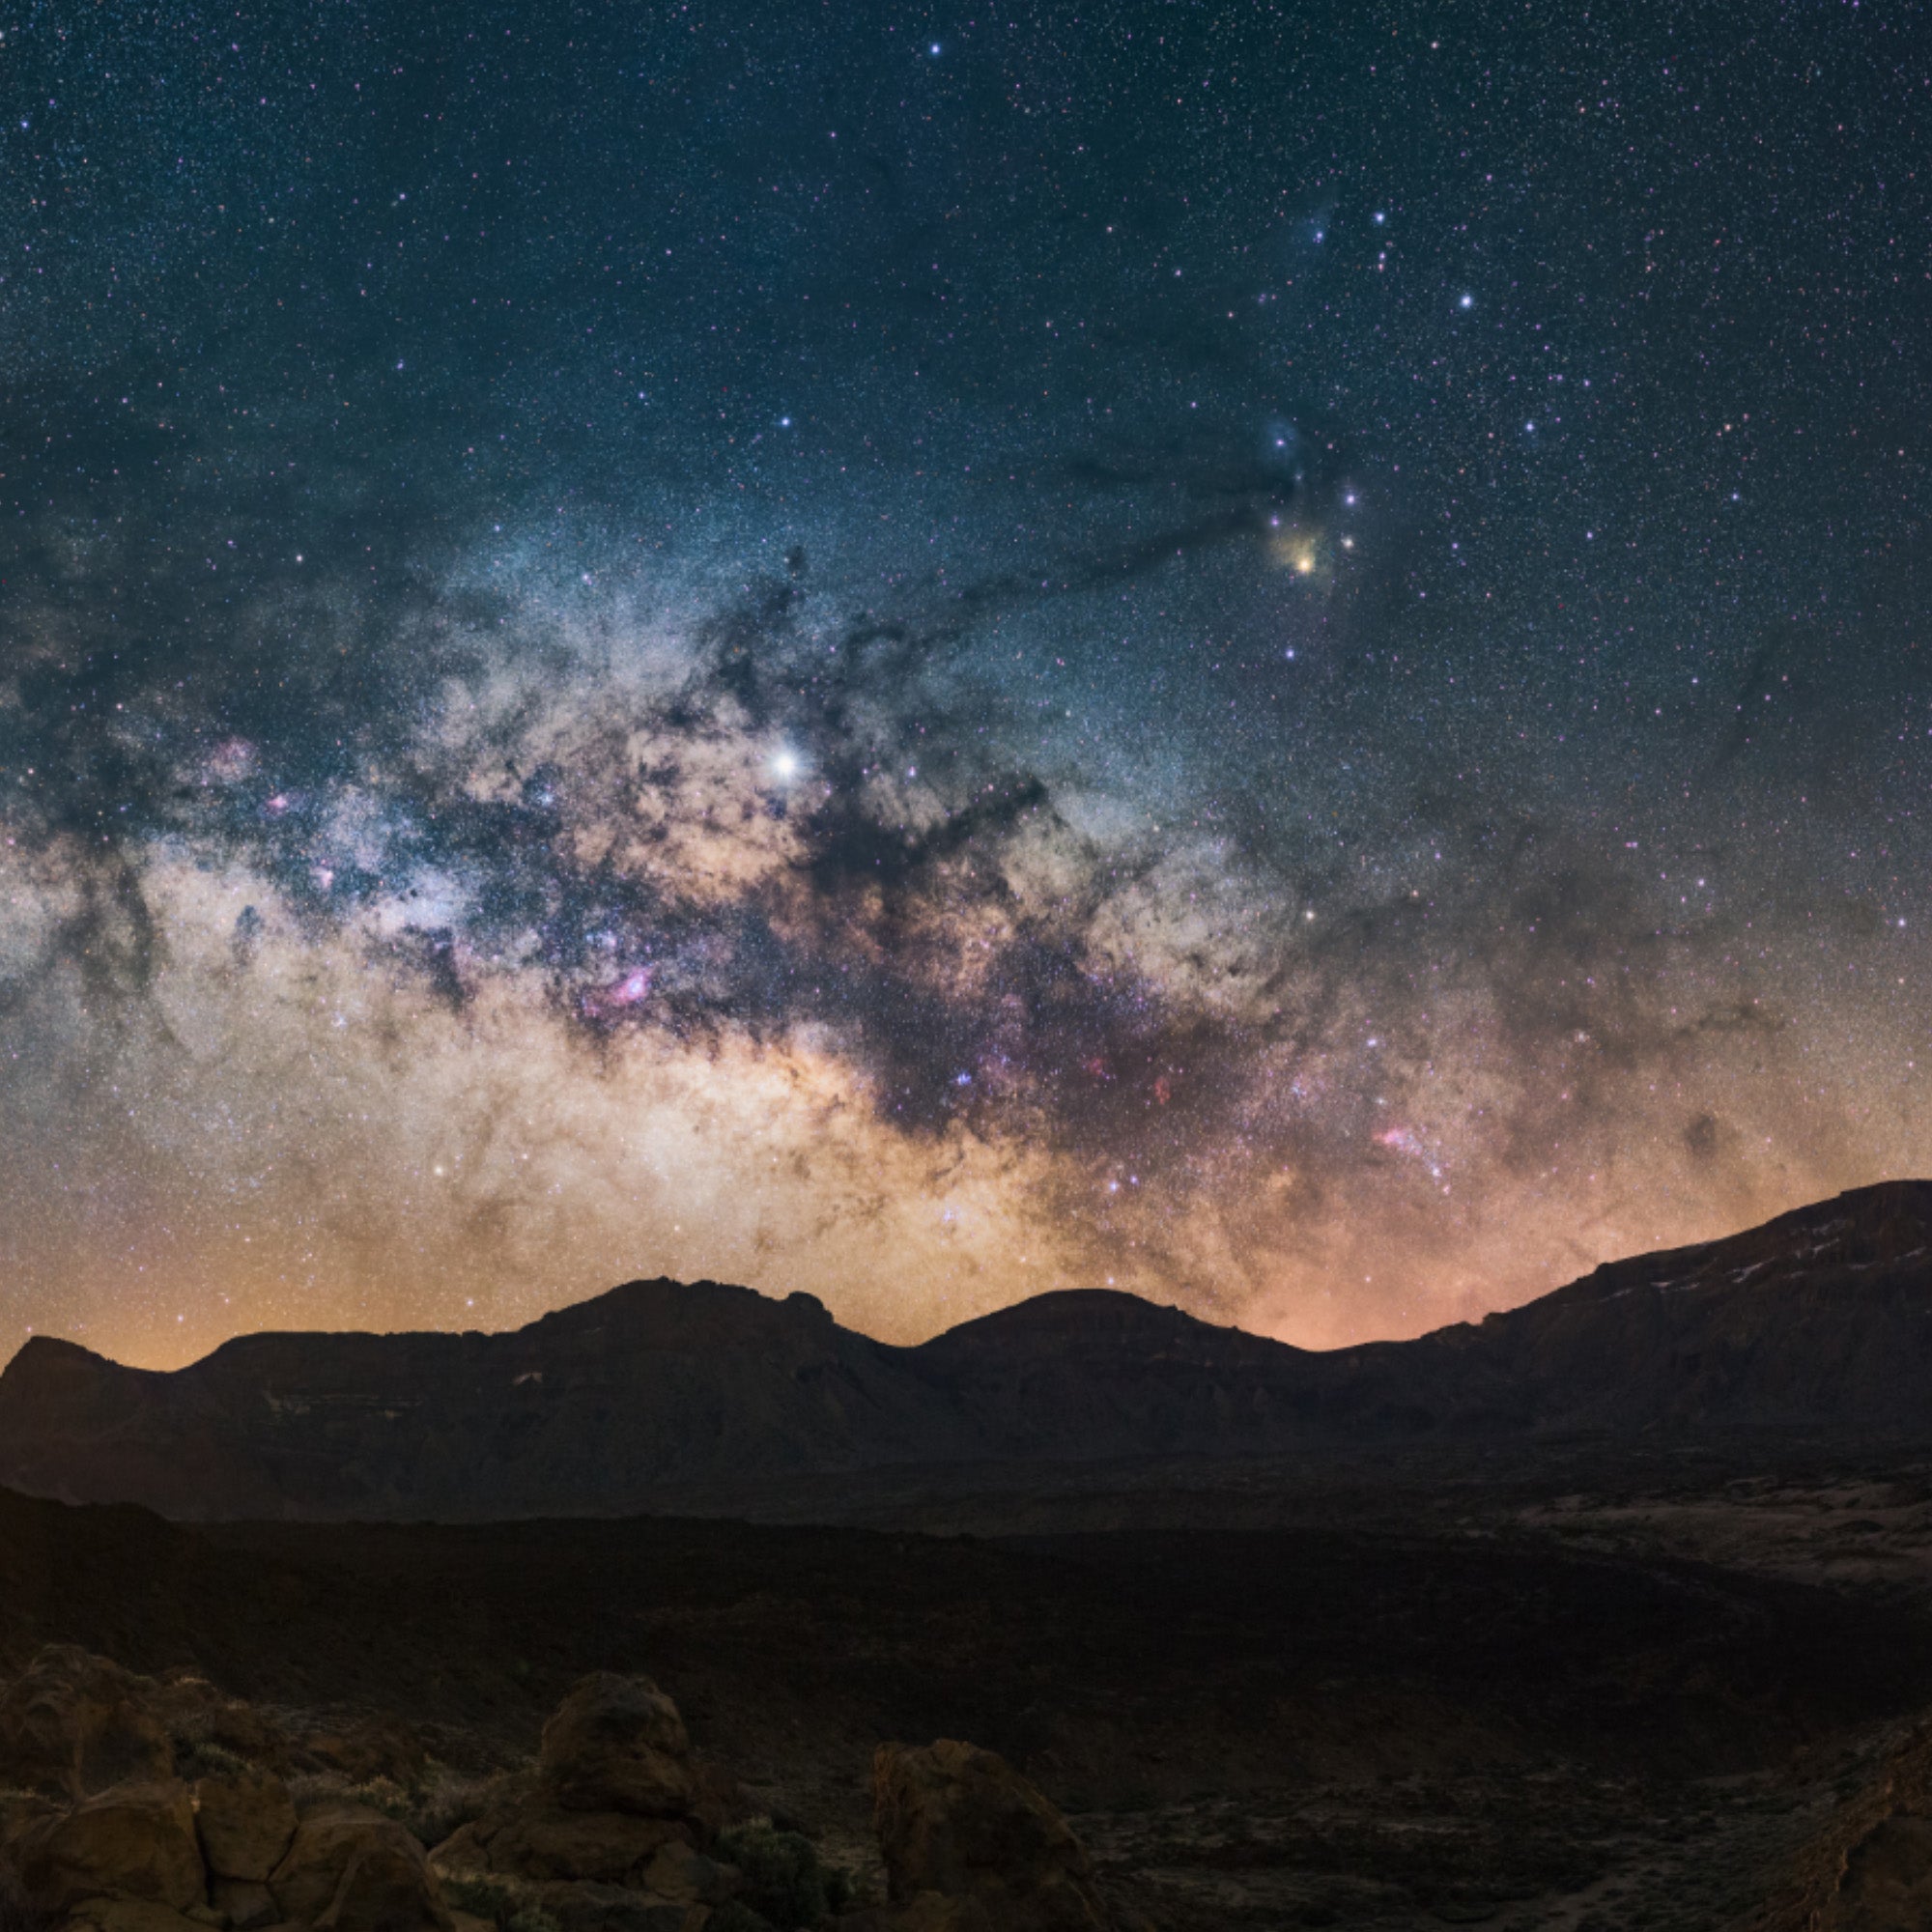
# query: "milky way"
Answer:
x=1274 y=656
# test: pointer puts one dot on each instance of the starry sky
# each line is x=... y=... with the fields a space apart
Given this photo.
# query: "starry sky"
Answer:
x=1274 y=654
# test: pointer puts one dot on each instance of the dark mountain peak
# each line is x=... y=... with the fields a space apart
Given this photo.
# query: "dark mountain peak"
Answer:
x=1087 y=1323
x=1072 y=1311
x=51 y=1381
x=662 y=1314
x=49 y=1354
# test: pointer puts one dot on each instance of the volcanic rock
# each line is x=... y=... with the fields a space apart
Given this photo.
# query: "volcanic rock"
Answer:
x=351 y=1869
x=958 y=1824
x=135 y=1840
x=678 y=1872
x=73 y=1723
x=246 y=1822
x=617 y=1743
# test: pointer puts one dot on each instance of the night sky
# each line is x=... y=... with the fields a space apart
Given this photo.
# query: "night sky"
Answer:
x=1274 y=654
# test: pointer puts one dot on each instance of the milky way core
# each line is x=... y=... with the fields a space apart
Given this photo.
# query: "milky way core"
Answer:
x=1271 y=656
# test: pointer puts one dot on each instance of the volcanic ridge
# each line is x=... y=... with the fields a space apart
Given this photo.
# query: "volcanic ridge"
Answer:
x=1817 y=1324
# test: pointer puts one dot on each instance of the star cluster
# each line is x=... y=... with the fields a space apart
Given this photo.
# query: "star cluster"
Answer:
x=1269 y=654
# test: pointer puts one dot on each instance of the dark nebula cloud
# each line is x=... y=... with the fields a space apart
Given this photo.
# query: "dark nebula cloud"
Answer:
x=1273 y=658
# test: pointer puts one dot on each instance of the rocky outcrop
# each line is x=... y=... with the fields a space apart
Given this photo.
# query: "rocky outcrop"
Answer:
x=132 y=1841
x=616 y=1801
x=102 y=1838
x=971 y=1846
x=73 y=1723
x=614 y=1827
x=350 y=1869
x=617 y=1743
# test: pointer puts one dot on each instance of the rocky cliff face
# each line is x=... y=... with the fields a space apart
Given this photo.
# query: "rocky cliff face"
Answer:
x=1819 y=1322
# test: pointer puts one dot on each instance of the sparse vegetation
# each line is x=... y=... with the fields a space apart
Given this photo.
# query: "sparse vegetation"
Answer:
x=734 y=1915
x=431 y=1808
x=785 y=1880
x=202 y=1757
x=306 y=1787
x=501 y=1901
x=198 y=1751
x=531 y=1919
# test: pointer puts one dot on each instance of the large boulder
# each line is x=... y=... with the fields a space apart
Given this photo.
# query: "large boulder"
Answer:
x=246 y=1821
x=615 y=1800
x=965 y=1838
x=74 y=1723
x=134 y=1841
x=617 y=1743
x=351 y=1869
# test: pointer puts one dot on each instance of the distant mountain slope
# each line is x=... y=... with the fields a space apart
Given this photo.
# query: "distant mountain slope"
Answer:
x=1819 y=1322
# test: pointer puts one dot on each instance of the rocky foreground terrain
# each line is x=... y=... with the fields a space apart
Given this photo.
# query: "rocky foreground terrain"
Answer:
x=697 y=1396
x=141 y=1805
x=1665 y=1695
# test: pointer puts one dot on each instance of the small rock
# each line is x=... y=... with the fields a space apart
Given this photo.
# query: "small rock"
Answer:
x=246 y=1821
x=350 y=1869
x=136 y=1840
x=678 y=1872
x=617 y=1743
